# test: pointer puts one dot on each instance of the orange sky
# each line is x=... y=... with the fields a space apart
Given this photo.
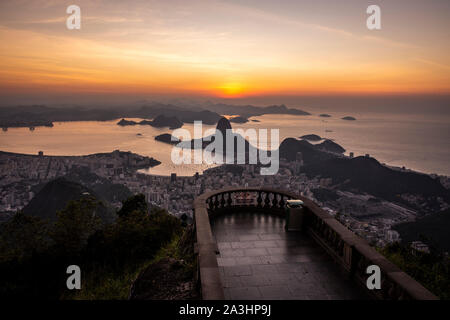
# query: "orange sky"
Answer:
x=225 y=48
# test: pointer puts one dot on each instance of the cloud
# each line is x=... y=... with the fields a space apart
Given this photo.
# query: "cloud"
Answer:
x=432 y=63
x=274 y=18
x=98 y=19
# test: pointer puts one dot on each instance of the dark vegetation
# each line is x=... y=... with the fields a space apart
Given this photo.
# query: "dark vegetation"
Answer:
x=103 y=188
x=432 y=269
x=172 y=273
x=434 y=228
x=54 y=195
x=323 y=194
x=34 y=253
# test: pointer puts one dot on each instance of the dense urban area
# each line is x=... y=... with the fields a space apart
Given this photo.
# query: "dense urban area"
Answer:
x=366 y=215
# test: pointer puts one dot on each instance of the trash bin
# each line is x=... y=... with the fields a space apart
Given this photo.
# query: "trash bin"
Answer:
x=294 y=215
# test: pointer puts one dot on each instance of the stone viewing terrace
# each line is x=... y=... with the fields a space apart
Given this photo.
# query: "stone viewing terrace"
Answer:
x=258 y=259
x=244 y=252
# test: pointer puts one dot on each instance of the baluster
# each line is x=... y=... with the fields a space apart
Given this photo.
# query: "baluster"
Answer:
x=274 y=201
x=216 y=202
x=229 y=201
x=210 y=203
x=222 y=201
x=259 y=200
x=267 y=201
x=281 y=203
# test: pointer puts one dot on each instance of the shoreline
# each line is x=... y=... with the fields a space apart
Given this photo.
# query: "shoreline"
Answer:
x=157 y=163
x=434 y=165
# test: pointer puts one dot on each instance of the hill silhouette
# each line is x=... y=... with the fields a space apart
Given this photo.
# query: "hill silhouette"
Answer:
x=311 y=137
x=183 y=115
x=310 y=153
x=247 y=111
x=55 y=196
x=330 y=146
x=160 y=121
x=102 y=187
x=433 y=227
x=368 y=175
x=365 y=174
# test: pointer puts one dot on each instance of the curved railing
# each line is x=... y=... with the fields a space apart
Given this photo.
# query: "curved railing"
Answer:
x=351 y=252
x=250 y=199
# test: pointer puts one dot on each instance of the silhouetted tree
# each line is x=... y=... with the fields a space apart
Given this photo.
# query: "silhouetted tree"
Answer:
x=134 y=203
x=75 y=224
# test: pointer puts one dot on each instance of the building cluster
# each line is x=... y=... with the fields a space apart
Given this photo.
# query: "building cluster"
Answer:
x=377 y=232
x=20 y=174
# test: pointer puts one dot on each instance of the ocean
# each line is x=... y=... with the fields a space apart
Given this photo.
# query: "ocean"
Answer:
x=415 y=141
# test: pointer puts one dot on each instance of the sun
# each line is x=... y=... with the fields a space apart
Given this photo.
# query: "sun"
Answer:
x=231 y=89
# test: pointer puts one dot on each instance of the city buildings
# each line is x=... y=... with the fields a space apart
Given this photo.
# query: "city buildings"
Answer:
x=21 y=174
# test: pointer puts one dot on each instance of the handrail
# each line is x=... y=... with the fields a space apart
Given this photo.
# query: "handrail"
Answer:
x=350 y=251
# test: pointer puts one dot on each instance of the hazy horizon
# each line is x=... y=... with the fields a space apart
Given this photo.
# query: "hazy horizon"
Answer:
x=417 y=104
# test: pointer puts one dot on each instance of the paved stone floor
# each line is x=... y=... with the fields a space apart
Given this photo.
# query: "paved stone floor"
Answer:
x=259 y=260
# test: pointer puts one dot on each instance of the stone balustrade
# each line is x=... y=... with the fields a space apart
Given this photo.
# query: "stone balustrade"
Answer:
x=351 y=253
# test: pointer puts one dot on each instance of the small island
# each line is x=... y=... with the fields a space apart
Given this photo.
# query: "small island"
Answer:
x=239 y=120
x=124 y=122
x=324 y=115
x=166 y=121
x=349 y=118
x=159 y=122
x=167 y=138
x=19 y=123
